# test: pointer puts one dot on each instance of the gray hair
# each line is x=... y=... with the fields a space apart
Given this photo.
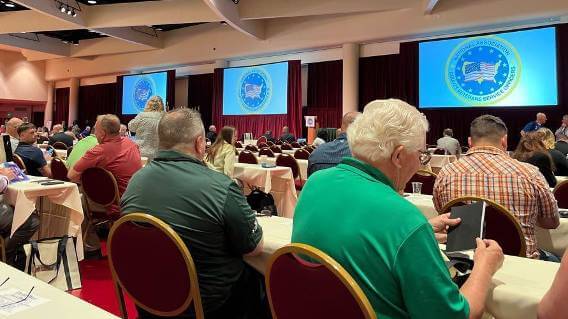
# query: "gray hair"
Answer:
x=383 y=126
x=180 y=128
x=487 y=127
x=109 y=123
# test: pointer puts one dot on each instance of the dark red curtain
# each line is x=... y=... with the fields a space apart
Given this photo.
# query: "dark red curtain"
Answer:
x=325 y=92
x=396 y=76
x=171 y=90
x=258 y=124
x=61 y=107
x=95 y=100
x=200 y=95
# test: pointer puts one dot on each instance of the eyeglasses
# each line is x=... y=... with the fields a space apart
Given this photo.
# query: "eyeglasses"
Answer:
x=425 y=157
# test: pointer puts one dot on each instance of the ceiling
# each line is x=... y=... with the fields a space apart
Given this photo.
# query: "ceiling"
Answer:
x=72 y=36
x=102 y=2
x=7 y=6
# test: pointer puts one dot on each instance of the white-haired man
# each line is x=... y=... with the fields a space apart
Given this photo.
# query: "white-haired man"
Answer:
x=562 y=131
x=534 y=125
x=12 y=130
x=60 y=136
x=212 y=134
x=380 y=238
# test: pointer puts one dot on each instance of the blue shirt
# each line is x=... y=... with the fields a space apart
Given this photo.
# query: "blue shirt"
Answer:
x=531 y=127
x=32 y=157
x=329 y=154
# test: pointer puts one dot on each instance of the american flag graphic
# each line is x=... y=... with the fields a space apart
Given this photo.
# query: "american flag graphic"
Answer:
x=480 y=71
x=253 y=91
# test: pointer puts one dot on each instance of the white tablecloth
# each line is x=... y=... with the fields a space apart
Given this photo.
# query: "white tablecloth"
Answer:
x=277 y=180
x=302 y=164
x=60 y=304
x=517 y=289
x=24 y=196
x=424 y=203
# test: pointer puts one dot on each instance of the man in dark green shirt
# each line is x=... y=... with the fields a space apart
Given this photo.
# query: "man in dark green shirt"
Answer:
x=208 y=211
x=380 y=238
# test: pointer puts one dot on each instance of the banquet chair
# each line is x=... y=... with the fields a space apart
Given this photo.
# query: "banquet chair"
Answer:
x=269 y=143
x=319 y=288
x=247 y=157
x=303 y=143
x=58 y=169
x=500 y=225
x=266 y=151
x=279 y=142
x=309 y=148
x=301 y=154
x=295 y=145
x=251 y=148
x=69 y=150
x=561 y=194
x=261 y=145
x=425 y=177
x=161 y=281
x=20 y=162
x=288 y=160
x=238 y=144
x=276 y=149
x=464 y=149
x=260 y=140
x=286 y=146
x=440 y=151
x=59 y=146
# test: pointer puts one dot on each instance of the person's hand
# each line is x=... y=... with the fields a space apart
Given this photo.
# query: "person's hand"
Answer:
x=488 y=254
x=9 y=173
x=440 y=225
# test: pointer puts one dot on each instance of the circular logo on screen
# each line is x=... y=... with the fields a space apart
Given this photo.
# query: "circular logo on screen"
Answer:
x=255 y=90
x=144 y=88
x=483 y=70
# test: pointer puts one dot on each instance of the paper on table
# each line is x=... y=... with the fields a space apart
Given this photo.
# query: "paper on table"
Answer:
x=14 y=300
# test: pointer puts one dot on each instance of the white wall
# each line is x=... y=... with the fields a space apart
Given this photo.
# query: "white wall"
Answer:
x=20 y=79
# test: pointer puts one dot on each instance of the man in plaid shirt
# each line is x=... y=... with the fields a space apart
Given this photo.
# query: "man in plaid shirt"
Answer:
x=487 y=171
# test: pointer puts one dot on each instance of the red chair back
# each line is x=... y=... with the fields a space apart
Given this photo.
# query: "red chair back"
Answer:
x=266 y=151
x=298 y=289
x=58 y=169
x=296 y=145
x=247 y=157
x=427 y=179
x=269 y=143
x=500 y=225
x=309 y=148
x=286 y=146
x=151 y=263
x=100 y=186
x=301 y=154
x=260 y=140
x=60 y=146
x=561 y=194
x=288 y=160
x=251 y=148
x=276 y=149
x=19 y=161
x=262 y=145
x=279 y=142
x=238 y=144
x=69 y=150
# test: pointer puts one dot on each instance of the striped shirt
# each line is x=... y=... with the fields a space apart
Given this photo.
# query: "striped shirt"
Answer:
x=490 y=173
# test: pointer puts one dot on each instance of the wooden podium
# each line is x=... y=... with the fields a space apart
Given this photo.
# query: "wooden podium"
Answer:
x=311 y=124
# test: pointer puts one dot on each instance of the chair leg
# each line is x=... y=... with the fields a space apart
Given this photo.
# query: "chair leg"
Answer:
x=2 y=250
x=121 y=303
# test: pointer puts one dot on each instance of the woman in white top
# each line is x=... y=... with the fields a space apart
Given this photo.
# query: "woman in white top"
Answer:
x=145 y=125
x=320 y=139
x=221 y=155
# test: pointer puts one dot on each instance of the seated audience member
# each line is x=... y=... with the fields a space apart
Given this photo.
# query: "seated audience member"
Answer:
x=59 y=136
x=86 y=132
x=69 y=132
x=562 y=131
x=12 y=130
x=145 y=126
x=123 y=131
x=531 y=150
x=385 y=242
x=553 y=305
x=43 y=135
x=487 y=171
x=13 y=244
x=32 y=156
x=212 y=134
x=221 y=155
x=287 y=136
x=449 y=143
x=559 y=160
x=562 y=145
x=116 y=154
x=81 y=148
x=534 y=125
x=75 y=128
x=321 y=138
x=208 y=211
x=330 y=154
x=269 y=137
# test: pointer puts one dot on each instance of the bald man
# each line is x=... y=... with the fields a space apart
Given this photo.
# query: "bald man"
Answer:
x=330 y=154
x=534 y=125
x=12 y=130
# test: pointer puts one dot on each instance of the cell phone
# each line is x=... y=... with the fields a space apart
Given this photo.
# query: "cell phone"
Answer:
x=50 y=151
x=52 y=183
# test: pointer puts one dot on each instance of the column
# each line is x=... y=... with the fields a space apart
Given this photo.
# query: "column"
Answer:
x=48 y=113
x=220 y=64
x=350 y=77
x=73 y=100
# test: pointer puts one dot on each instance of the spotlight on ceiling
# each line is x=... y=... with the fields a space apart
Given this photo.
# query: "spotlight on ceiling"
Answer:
x=74 y=13
x=70 y=11
x=62 y=8
x=9 y=4
x=236 y=1
x=75 y=42
x=92 y=2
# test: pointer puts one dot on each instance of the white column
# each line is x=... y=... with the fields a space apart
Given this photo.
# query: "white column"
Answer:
x=350 y=77
x=219 y=64
x=48 y=113
x=73 y=100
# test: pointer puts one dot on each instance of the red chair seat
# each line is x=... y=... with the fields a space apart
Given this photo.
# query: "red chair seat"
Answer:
x=299 y=184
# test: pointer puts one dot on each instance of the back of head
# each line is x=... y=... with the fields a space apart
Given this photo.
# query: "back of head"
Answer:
x=530 y=144
x=179 y=129
x=547 y=137
x=225 y=136
x=448 y=132
x=487 y=129
x=57 y=128
x=154 y=104
x=109 y=123
x=347 y=119
x=285 y=130
x=322 y=134
x=383 y=126
x=13 y=124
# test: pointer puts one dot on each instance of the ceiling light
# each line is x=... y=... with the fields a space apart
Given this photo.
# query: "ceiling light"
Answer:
x=9 y=4
x=69 y=11
x=75 y=42
x=74 y=13
x=62 y=8
x=65 y=41
x=159 y=29
x=92 y=2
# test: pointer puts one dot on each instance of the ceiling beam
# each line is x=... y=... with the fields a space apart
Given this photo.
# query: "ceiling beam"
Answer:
x=138 y=35
x=31 y=21
x=429 y=6
x=228 y=12
x=36 y=42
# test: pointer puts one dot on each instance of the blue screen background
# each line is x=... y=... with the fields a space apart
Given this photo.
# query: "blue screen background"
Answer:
x=537 y=85
x=159 y=85
x=274 y=101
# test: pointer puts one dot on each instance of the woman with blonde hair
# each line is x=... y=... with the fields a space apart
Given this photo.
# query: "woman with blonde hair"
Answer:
x=145 y=125
x=558 y=159
x=531 y=150
x=221 y=155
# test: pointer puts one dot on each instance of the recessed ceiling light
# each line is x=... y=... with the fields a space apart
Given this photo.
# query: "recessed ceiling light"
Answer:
x=92 y=2
x=62 y=9
x=159 y=29
x=9 y=5
x=69 y=11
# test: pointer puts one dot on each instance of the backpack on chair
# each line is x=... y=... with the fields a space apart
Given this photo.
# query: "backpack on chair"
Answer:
x=259 y=201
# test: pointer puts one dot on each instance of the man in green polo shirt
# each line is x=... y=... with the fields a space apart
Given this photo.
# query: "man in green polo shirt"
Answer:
x=208 y=211
x=380 y=238
x=81 y=148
